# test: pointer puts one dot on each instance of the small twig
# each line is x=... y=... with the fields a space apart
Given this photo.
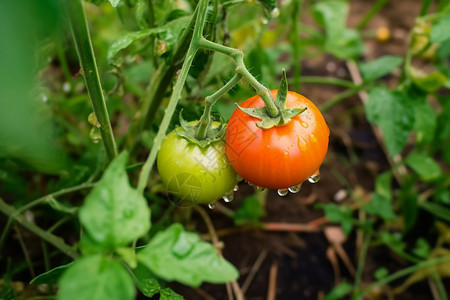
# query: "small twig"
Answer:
x=255 y=268
x=204 y=294
x=45 y=235
x=272 y=290
x=218 y=245
x=237 y=290
x=212 y=231
x=229 y=291
x=25 y=251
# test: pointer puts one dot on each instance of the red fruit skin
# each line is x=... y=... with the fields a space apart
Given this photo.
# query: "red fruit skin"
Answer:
x=282 y=156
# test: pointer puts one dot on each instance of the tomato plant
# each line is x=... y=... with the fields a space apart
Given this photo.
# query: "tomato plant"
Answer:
x=195 y=174
x=282 y=156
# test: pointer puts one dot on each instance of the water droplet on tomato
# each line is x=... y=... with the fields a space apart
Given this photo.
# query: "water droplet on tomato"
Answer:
x=260 y=188
x=239 y=178
x=228 y=197
x=313 y=138
x=236 y=188
x=301 y=144
x=314 y=178
x=286 y=153
x=304 y=124
x=212 y=206
x=283 y=192
x=296 y=188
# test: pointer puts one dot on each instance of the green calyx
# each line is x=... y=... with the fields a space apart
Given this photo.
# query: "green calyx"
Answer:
x=284 y=114
x=213 y=134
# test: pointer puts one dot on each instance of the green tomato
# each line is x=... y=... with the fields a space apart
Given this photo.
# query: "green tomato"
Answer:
x=194 y=174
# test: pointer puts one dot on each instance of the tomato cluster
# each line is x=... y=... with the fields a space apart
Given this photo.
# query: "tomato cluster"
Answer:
x=280 y=157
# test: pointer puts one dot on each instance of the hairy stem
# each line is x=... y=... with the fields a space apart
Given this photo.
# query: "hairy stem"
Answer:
x=193 y=47
x=83 y=44
x=241 y=69
x=205 y=119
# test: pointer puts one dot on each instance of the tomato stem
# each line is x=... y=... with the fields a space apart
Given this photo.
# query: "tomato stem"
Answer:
x=238 y=57
x=205 y=120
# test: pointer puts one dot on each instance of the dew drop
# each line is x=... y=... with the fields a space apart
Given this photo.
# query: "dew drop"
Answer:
x=239 y=178
x=228 y=197
x=236 y=188
x=212 y=206
x=301 y=144
x=286 y=153
x=264 y=21
x=275 y=13
x=95 y=135
x=283 y=192
x=295 y=189
x=314 y=177
x=260 y=188
x=304 y=124
x=313 y=138
x=92 y=119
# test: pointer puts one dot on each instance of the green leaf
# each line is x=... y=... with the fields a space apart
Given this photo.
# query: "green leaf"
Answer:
x=115 y=214
x=393 y=240
x=28 y=134
x=424 y=165
x=381 y=201
x=438 y=210
x=339 y=291
x=342 y=42
x=425 y=121
x=379 y=67
x=381 y=273
x=340 y=214
x=169 y=294
x=422 y=248
x=380 y=206
x=442 y=196
x=146 y=281
x=175 y=254
x=250 y=212
x=429 y=82
x=96 y=277
x=149 y=286
x=126 y=40
x=393 y=113
x=114 y=3
x=439 y=32
x=170 y=34
x=52 y=276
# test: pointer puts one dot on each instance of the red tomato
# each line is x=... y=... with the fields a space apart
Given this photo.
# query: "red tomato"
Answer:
x=282 y=156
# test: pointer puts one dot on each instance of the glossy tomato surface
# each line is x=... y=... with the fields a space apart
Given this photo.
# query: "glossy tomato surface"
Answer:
x=194 y=174
x=282 y=156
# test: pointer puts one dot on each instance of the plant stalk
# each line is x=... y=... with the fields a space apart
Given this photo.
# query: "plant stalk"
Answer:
x=205 y=119
x=47 y=236
x=176 y=95
x=83 y=44
x=241 y=69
